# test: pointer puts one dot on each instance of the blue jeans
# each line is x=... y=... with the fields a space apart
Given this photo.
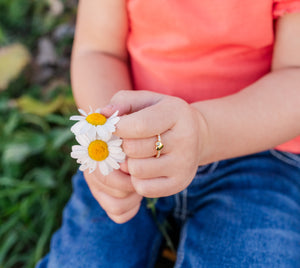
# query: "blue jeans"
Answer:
x=242 y=212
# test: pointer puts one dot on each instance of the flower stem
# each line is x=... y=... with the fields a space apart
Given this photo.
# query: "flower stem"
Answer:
x=164 y=226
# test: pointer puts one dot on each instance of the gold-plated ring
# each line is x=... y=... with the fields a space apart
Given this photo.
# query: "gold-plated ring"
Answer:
x=158 y=146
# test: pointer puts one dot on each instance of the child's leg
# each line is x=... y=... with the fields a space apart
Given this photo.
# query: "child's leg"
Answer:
x=244 y=214
x=88 y=238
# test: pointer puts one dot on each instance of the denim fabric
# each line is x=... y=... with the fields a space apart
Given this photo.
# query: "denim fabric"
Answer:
x=242 y=212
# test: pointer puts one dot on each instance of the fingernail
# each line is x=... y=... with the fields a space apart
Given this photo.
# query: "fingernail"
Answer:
x=108 y=110
x=109 y=106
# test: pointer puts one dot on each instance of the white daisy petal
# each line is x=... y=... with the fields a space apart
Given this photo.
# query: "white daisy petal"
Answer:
x=103 y=133
x=88 y=130
x=84 y=159
x=83 y=140
x=116 y=142
x=85 y=128
x=98 y=110
x=114 y=149
x=100 y=131
x=83 y=167
x=77 y=117
x=82 y=112
x=92 y=166
x=114 y=114
x=76 y=128
x=103 y=168
x=114 y=120
x=113 y=163
x=78 y=154
x=78 y=148
x=120 y=157
x=91 y=134
x=110 y=127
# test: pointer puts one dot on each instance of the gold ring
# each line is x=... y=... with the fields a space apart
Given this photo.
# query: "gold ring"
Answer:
x=158 y=146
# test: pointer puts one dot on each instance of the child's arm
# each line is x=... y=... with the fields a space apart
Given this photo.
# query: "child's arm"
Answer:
x=99 y=58
x=263 y=115
x=98 y=70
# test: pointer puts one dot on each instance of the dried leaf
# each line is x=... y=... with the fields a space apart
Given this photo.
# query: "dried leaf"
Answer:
x=13 y=59
x=34 y=106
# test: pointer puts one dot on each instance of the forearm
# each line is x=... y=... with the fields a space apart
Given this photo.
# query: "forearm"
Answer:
x=263 y=115
x=96 y=77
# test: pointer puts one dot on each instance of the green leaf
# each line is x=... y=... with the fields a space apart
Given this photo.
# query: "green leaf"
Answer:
x=36 y=120
x=7 y=244
x=16 y=153
x=8 y=181
x=8 y=225
x=43 y=176
x=61 y=136
x=24 y=145
x=46 y=233
x=12 y=123
x=4 y=104
x=58 y=120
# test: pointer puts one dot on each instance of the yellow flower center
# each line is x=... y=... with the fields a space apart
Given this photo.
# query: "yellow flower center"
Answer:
x=96 y=119
x=98 y=150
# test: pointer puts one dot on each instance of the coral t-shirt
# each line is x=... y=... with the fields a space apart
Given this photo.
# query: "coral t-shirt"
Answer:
x=199 y=50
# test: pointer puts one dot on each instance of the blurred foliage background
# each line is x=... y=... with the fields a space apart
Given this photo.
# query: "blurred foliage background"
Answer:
x=35 y=141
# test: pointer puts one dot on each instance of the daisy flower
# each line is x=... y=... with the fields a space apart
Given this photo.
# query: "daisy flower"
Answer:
x=94 y=123
x=94 y=152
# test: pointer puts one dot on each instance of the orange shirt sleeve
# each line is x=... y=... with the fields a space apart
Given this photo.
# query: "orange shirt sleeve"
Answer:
x=281 y=7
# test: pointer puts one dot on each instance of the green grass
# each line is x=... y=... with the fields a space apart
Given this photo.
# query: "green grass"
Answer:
x=35 y=140
x=34 y=183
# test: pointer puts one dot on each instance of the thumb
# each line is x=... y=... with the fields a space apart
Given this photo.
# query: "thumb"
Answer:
x=130 y=101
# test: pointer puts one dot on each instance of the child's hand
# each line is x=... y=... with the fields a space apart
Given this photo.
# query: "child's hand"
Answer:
x=182 y=131
x=115 y=194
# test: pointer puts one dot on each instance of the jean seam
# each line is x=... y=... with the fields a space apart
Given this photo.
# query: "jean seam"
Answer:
x=180 y=251
x=155 y=250
x=213 y=167
x=176 y=212
x=288 y=158
x=184 y=204
x=201 y=168
x=181 y=211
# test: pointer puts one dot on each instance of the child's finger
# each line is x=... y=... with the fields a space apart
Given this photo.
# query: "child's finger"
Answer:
x=156 y=187
x=130 y=101
x=97 y=185
x=109 y=110
x=117 y=206
x=124 y=167
x=125 y=216
x=117 y=180
x=144 y=148
x=151 y=167
x=148 y=122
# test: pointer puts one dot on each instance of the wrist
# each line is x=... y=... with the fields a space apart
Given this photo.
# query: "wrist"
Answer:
x=205 y=146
